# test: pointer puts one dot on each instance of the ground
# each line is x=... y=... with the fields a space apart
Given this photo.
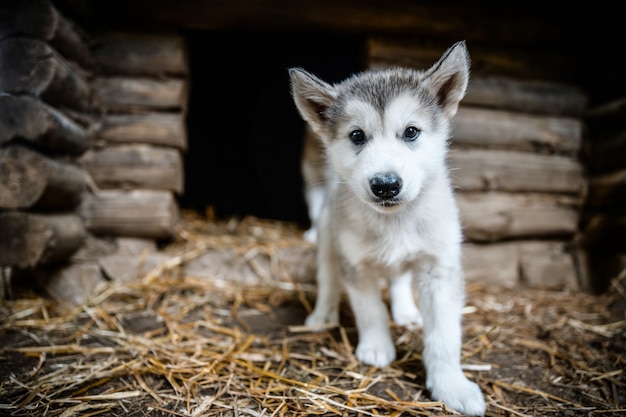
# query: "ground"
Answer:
x=171 y=344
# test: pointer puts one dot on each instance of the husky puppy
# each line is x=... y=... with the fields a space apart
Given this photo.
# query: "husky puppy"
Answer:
x=389 y=212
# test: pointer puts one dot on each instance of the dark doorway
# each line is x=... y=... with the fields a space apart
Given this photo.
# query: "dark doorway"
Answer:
x=245 y=135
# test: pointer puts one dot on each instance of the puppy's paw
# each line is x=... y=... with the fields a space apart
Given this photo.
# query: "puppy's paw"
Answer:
x=311 y=235
x=322 y=320
x=458 y=393
x=408 y=317
x=378 y=353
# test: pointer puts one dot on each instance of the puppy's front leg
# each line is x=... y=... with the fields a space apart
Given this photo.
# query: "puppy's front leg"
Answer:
x=372 y=320
x=441 y=296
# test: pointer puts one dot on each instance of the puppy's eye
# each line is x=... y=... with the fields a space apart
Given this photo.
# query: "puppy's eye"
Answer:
x=411 y=133
x=357 y=137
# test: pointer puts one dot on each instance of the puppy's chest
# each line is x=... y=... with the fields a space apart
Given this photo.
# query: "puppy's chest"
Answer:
x=387 y=248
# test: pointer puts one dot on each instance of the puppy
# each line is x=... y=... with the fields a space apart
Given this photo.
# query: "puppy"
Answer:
x=389 y=212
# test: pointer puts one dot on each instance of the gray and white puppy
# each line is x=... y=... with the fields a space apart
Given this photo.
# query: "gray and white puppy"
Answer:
x=389 y=212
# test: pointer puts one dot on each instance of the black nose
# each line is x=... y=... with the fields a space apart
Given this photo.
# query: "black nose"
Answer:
x=386 y=186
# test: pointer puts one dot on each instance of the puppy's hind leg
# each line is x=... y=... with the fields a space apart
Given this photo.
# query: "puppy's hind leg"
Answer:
x=403 y=308
x=441 y=296
x=326 y=309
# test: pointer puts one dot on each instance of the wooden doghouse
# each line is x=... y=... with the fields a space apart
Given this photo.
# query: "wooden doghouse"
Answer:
x=96 y=136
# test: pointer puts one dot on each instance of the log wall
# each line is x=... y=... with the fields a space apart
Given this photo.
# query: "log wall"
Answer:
x=514 y=162
x=92 y=133
x=45 y=123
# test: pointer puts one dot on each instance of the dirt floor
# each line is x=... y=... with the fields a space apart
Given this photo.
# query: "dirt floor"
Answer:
x=171 y=344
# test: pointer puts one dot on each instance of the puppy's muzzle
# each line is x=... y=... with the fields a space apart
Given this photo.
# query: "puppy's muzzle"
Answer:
x=386 y=186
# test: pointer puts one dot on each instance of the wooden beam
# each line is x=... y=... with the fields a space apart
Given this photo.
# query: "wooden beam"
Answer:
x=481 y=169
x=490 y=216
x=473 y=126
x=147 y=214
x=166 y=129
x=530 y=263
x=151 y=55
x=135 y=166
x=128 y=94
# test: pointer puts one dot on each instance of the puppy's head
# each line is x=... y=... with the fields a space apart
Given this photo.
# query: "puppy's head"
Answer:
x=386 y=131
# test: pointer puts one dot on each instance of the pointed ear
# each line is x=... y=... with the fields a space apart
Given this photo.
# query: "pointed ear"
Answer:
x=312 y=96
x=448 y=78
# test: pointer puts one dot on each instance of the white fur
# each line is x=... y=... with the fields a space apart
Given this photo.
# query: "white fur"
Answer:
x=415 y=240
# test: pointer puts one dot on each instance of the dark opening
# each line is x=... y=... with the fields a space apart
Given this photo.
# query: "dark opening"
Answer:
x=245 y=135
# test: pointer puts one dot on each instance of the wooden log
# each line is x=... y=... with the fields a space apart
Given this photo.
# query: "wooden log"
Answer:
x=45 y=128
x=40 y=19
x=73 y=282
x=607 y=192
x=28 y=240
x=491 y=216
x=479 y=169
x=152 y=55
x=166 y=129
x=486 y=61
x=527 y=96
x=31 y=180
x=533 y=264
x=135 y=166
x=147 y=214
x=117 y=94
x=30 y=66
x=507 y=130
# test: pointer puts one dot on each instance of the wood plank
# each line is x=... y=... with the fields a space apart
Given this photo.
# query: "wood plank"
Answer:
x=28 y=240
x=135 y=166
x=30 y=66
x=491 y=216
x=166 y=129
x=137 y=54
x=42 y=126
x=479 y=169
x=31 y=180
x=147 y=214
x=531 y=264
x=527 y=96
x=119 y=94
x=501 y=129
x=40 y=19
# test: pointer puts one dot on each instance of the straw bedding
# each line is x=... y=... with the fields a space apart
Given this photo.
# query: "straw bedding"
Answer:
x=171 y=344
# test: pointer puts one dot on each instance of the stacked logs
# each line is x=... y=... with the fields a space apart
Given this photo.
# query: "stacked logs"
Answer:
x=46 y=111
x=136 y=163
x=514 y=162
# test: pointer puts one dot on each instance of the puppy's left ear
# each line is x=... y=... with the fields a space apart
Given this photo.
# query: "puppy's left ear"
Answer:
x=448 y=78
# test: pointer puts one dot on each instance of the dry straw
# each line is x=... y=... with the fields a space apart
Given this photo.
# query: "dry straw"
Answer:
x=171 y=344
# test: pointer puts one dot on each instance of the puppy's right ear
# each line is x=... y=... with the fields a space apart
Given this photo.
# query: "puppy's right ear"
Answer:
x=313 y=98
